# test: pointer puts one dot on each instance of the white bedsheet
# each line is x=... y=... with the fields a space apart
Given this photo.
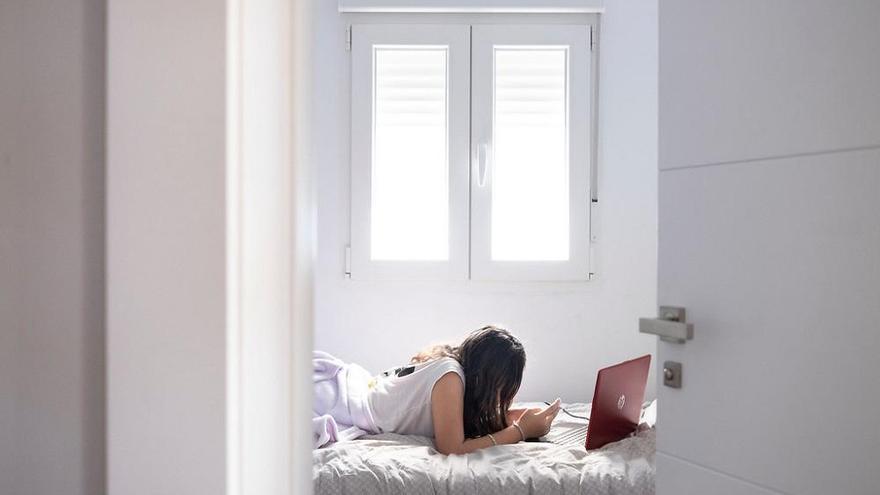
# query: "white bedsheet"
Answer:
x=400 y=464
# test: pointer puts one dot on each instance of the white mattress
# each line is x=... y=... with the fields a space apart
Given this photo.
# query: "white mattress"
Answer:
x=402 y=464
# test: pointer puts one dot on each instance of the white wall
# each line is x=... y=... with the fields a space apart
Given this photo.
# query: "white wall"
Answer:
x=208 y=251
x=51 y=247
x=166 y=237
x=569 y=330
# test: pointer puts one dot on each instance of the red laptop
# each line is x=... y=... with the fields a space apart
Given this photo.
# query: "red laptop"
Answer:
x=617 y=406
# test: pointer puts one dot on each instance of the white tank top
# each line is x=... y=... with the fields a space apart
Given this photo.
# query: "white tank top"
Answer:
x=400 y=399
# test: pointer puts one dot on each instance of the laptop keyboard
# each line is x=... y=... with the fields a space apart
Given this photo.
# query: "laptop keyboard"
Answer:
x=576 y=437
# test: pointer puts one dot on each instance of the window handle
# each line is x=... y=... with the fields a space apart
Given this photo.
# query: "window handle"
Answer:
x=483 y=163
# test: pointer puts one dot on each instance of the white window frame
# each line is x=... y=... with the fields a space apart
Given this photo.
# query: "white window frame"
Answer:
x=457 y=39
x=576 y=38
x=473 y=35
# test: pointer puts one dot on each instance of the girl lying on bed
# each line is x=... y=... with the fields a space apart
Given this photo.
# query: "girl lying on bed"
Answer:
x=459 y=395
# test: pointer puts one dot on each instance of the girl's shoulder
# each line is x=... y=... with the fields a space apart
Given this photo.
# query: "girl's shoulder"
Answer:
x=444 y=361
x=442 y=365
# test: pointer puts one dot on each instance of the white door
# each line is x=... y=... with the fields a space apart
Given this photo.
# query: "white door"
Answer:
x=770 y=238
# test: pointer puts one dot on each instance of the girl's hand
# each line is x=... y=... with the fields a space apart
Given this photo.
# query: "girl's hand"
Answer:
x=536 y=422
x=513 y=415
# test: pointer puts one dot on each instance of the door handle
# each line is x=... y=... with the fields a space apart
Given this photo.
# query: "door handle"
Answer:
x=670 y=325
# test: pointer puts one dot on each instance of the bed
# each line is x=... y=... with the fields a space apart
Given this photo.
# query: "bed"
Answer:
x=403 y=464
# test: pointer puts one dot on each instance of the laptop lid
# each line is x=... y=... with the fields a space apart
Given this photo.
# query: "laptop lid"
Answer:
x=617 y=401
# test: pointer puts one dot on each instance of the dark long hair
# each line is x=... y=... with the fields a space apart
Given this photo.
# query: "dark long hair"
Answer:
x=493 y=361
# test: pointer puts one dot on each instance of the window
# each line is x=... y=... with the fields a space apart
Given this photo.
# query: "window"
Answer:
x=471 y=150
x=409 y=199
x=410 y=121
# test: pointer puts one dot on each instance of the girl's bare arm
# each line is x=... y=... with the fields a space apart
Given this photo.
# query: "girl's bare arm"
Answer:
x=447 y=408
